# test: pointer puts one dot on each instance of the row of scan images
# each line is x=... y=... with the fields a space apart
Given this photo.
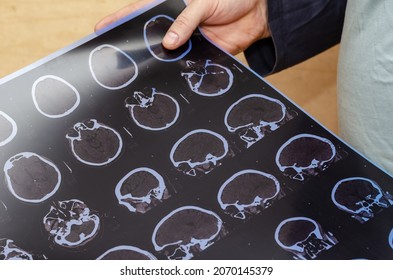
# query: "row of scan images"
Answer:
x=113 y=69
x=251 y=117
x=204 y=78
x=191 y=229
x=33 y=178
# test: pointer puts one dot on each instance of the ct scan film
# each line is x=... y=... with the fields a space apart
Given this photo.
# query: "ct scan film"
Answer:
x=120 y=149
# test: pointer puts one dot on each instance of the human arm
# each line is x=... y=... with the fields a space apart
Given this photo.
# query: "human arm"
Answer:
x=275 y=34
x=299 y=30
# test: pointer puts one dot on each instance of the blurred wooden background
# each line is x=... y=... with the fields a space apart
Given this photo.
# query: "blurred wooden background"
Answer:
x=31 y=30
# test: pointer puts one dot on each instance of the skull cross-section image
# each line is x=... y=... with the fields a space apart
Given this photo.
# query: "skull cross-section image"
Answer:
x=8 y=128
x=94 y=143
x=154 y=31
x=303 y=237
x=141 y=189
x=305 y=155
x=71 y=223
x=199 y=151
x=154 y=110
x=360 y=197
x=253 y=116
x=248 y=191
x=10 y=251
x=186 y=230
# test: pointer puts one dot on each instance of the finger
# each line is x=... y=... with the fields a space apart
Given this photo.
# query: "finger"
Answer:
x=121 y=13
x=185 y=24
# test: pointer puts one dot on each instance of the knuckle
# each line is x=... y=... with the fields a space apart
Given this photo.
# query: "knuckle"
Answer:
x=182 y=22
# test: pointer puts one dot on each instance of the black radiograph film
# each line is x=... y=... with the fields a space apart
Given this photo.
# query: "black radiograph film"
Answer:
x=116 y=148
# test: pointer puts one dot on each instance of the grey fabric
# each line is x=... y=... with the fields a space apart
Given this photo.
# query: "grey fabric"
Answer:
x=365 y=80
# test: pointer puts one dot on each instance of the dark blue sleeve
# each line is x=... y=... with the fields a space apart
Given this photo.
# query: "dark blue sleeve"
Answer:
x=299 y=30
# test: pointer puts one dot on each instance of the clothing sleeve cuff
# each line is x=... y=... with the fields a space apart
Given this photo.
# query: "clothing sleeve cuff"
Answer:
x=263 y=56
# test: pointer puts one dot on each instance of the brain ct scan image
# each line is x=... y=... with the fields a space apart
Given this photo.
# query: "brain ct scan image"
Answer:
x=9 y=251
x=207 y=78
x=141 y=189
x=305 y=155
x=31 y=178
x=199 y=151
x=111 y=67
x=154 y=31
x=360 y=197
x=125 y=252
x=253 y=116
x=71 y=223
x=186 y=231
x=54 y=97
x=153 y=110
x=8 y=129
x=94 y=143
x=303 y=237
x=247 y=192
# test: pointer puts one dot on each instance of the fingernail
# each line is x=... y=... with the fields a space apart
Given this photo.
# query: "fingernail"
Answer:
x=171 y=38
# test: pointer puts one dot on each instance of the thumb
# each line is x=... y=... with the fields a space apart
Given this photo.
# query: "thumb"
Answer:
x=185 y=24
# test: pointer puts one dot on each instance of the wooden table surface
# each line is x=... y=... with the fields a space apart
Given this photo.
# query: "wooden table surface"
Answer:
x=33 y=29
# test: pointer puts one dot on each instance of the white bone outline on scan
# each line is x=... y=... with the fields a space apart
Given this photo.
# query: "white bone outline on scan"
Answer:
x=13 y=131
x=256 y=129
x=390 y=239
x=56 y=78
x=80 y=126
x=4 y=216
x=314 y=164
x=195 y=88
x=364 y=213
x=5 y=208
x=128 y=248
x=145 y=102
x=12 y=252
x=149 y=47
x=263 y=202
x=157 y=193
x=316 y=242
x=99 y=48
x=186 y=248
x=209 y=157
x=62 y=216
x=10 y=164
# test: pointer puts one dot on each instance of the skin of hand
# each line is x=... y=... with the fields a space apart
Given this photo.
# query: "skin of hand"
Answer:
x=231 y=24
